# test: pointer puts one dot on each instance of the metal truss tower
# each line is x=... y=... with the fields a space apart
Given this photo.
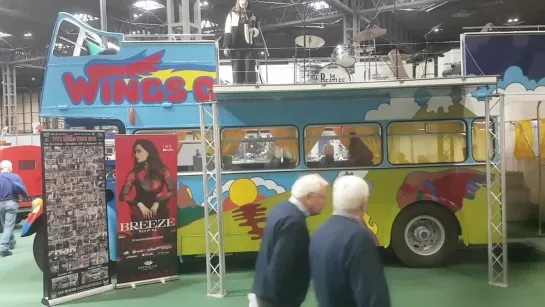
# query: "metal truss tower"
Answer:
x=9 y=99
x=213 y=201
x=496 y=189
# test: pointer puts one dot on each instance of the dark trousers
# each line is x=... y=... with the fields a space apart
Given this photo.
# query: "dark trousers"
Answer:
x=243 y=64
x=263 y=303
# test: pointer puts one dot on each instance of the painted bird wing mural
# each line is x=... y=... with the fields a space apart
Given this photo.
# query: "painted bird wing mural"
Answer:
x=133 y=67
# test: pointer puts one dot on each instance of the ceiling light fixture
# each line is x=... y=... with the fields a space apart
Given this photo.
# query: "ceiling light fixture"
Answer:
x=2 y=35
x=27 y=35
x=512 y=20
x=204 y=3
x=148 y=5
x=319 y=5
x=85 y=17
x=205 y=24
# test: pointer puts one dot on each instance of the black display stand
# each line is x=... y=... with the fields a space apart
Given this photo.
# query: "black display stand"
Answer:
x=75 y=219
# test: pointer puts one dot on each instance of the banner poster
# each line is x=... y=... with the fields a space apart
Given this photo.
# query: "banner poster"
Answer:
x=75 y=215
x=146 y=167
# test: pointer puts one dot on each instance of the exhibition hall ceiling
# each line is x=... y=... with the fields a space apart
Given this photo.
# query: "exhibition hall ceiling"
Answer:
x=26 y=25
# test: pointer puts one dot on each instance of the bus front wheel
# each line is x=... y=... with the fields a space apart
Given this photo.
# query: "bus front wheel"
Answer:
x=38 y=248
x=425 y=235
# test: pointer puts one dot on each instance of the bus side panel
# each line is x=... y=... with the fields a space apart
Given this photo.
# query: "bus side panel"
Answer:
x=247 y=199
x=27 y=163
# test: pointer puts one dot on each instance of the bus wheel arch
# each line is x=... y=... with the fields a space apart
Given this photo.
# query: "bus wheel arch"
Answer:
x=109 y=195
x=425 y=234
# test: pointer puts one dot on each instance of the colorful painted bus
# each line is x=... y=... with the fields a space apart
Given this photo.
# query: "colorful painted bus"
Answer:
x=420 y=144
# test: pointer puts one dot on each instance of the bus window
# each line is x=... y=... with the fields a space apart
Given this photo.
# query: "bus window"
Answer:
x=478 y=130
x=343 y=145
x=263 y=148
x=189 y=152
x=72 y=40
x=27 y=165
x=427 y=142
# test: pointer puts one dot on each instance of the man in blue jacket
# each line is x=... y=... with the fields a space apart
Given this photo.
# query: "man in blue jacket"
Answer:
x=345 y=264
x=282 y=273
x=11 y=187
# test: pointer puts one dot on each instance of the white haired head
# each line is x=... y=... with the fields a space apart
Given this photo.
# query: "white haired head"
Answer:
x=350 y=193
x=310 y=190
x=6 y=166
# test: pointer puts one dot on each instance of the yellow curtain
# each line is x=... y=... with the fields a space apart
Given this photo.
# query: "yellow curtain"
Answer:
x=289 y=145
x=197 y=136
x=400 y=149
x=369 y=135
x=311 y=138
x=524 y=140
x=400 y=142
x=235 y=137
x=479 y=141
x=542 y=141
x=418 y=143
x=454 y=149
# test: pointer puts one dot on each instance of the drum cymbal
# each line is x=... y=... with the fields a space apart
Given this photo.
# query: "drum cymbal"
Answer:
x=310 y=41
x=369 y=35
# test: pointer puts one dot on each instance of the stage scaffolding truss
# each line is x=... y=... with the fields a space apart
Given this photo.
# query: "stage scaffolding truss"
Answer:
x=213 y=202
x=496 y=189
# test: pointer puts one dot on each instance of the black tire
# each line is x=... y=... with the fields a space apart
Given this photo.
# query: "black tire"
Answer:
x=38 y=249
x=451 y=232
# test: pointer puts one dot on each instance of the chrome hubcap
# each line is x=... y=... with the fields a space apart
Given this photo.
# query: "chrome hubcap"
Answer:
x=424 y=235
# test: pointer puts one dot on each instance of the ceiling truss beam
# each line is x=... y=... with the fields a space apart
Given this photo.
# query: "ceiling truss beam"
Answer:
x=401 y=4
x=300 y=22
x=397 y=35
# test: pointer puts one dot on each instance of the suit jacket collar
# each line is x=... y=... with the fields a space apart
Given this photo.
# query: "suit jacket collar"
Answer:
x=299 y=206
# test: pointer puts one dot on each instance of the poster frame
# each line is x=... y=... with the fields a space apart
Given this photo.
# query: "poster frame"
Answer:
x=162 y=280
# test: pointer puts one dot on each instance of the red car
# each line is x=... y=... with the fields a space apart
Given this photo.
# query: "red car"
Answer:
x=27 y=163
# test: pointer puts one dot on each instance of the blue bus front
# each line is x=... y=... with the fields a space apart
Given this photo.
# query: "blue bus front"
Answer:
x=97 y=79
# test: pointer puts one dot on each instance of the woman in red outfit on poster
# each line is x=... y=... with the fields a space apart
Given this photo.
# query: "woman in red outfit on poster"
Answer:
x=149 y=178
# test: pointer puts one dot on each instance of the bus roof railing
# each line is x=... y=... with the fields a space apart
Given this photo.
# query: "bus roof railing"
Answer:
x=169 y=38
x=465 y=82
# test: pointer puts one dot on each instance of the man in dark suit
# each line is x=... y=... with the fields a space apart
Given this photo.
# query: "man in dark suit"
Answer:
x=345 y=264
x=282 y=274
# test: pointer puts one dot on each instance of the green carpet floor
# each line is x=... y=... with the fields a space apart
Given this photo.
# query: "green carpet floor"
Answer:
x=461 y=284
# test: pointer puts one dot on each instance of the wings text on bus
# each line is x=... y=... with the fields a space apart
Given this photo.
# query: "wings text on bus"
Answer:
x=140 y=79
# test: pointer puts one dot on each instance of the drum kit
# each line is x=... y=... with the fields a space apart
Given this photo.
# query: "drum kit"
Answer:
x=342 y=59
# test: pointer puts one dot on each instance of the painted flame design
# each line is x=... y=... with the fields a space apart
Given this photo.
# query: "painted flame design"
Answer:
x=370 y=224
x=251 y=215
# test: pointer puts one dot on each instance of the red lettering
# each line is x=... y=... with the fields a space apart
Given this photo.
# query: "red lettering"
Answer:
x=202 y=89
x=147 y=90
x=126 y=91
x=176 y=89
x=151 y=91
x=106 y=93
x=79 y=89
